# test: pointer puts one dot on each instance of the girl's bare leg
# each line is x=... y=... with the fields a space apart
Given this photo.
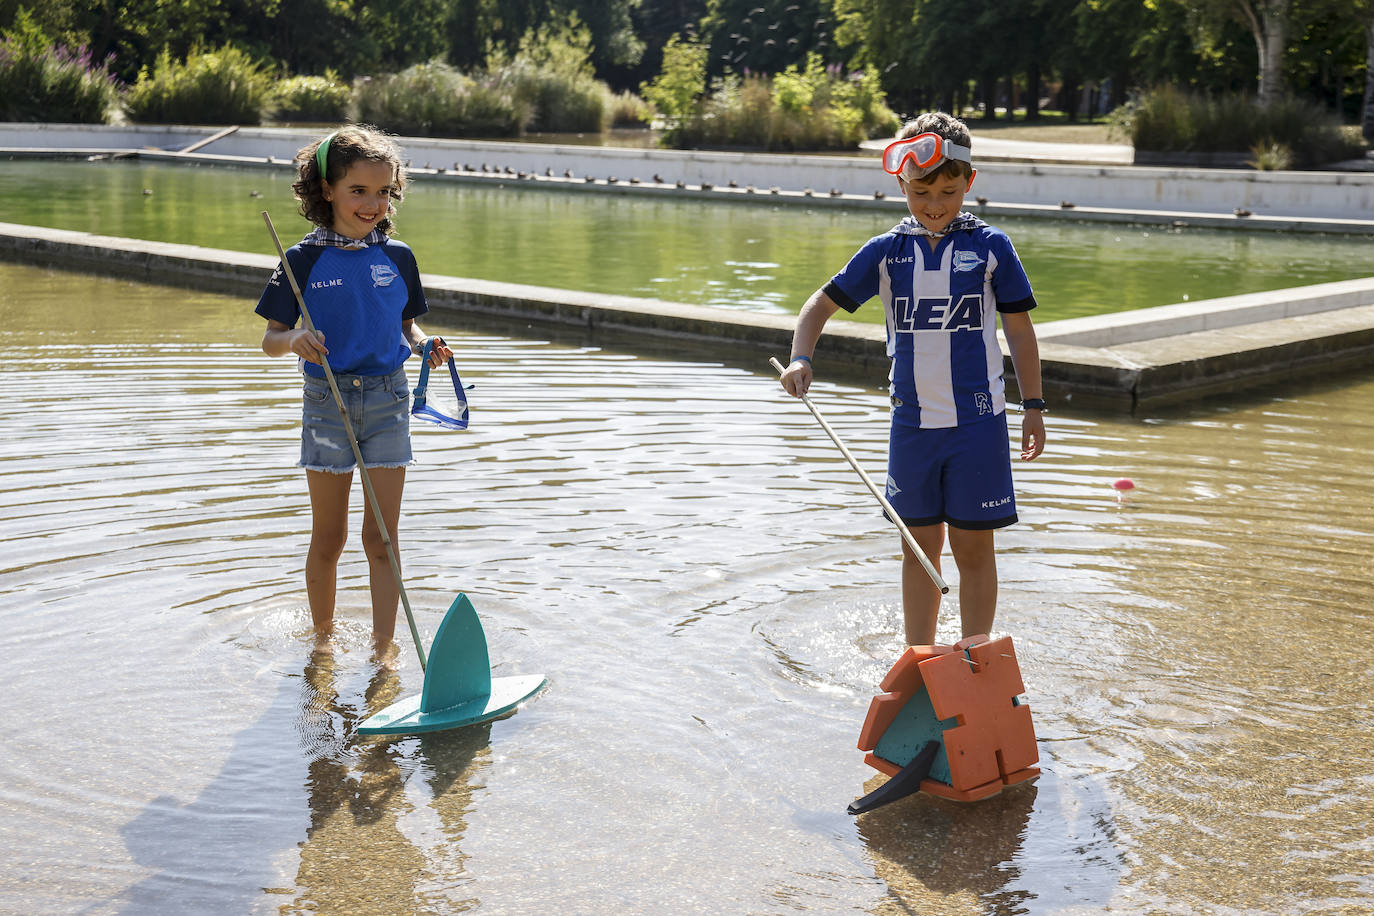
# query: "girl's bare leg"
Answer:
x=920 y=596
x=328 y=534
x=388 y=484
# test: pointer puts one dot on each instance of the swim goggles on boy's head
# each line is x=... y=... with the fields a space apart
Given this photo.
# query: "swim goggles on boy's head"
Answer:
x=925 y=151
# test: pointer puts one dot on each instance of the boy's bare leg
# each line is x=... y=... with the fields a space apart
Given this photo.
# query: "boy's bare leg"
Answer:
x=920 y=596
x=387 y=484
x=977 y=562
x=328 y=534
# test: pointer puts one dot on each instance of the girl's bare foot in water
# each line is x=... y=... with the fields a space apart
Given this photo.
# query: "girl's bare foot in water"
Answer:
x=385 y=654
x=324 y=643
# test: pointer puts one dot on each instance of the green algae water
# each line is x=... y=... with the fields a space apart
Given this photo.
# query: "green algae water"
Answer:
x=714 y=598
x=759 y=256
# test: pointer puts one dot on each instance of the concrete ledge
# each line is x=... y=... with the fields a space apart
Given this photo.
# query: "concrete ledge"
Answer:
x=1128 y=362
x=1208 y=314
x=1327 y=201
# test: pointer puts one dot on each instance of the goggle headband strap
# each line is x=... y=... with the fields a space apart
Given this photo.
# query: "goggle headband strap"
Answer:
x=926 y=151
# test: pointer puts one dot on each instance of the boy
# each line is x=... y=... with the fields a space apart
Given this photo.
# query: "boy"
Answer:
x=943 y=277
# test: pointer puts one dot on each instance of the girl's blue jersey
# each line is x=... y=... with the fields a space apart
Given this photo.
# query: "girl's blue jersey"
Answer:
x=357 y=298
x=942 y=307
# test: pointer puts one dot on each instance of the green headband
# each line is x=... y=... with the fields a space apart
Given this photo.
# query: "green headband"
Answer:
x=322 y=154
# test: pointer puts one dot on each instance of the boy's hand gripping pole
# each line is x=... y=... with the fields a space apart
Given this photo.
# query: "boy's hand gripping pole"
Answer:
x=353 y=441
x=873 y=488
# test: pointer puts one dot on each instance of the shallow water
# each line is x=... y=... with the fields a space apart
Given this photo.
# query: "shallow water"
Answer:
x=713 y=598
x=729 y=255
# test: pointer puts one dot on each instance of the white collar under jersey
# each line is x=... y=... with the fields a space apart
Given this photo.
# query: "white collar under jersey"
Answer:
x=965 y=220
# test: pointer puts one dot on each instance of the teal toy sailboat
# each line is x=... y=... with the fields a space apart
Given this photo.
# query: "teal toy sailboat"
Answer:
x=459 y=689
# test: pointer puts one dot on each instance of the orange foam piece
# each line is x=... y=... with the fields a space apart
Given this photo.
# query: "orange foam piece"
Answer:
x=975 y=682
x=901 y=683
x=994 y=739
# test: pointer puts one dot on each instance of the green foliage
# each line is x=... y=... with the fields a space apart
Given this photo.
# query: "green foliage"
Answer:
x=311 y=98
x=551 y=76
x=681 y=82
x=47 y=82
x=435 y=100
x=210 y=87
x=814 y=108
x=1167 y=119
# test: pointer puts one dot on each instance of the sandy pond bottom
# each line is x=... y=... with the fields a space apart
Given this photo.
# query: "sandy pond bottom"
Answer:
x=713 y=598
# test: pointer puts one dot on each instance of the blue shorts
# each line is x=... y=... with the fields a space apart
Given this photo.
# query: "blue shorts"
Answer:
x=960 y=475
x=379 y=410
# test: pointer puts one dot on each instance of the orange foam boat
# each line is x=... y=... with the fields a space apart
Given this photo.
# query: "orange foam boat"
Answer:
x=950 y=722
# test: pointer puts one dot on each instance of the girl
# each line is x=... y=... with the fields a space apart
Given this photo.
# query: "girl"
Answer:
x=363 y=292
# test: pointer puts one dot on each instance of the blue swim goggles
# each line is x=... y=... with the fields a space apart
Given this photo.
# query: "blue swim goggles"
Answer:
x=456 y=416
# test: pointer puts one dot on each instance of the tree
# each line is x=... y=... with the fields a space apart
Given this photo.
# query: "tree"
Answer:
x=1268 y=24
x=654 y=23
x=882 y=34
x=766 y=36
x=1268 y=21
x=1367 y=113
x=476 y=27
x=674 y=92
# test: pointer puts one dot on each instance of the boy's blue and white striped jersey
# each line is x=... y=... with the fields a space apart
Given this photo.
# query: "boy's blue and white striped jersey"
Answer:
x=941 y=309
x=357 y=298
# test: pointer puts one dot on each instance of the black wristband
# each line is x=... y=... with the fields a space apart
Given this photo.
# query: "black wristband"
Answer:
x=1033 y=404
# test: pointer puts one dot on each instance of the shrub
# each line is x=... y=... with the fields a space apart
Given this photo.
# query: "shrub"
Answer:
x=435 y=100
x=1267 y=157
x=1167 y=119
x=551 y=75
x=311 y=98
x=48 y=82
x=211 y=87
x=557 y=101
x=629 y=110
x=818 y=107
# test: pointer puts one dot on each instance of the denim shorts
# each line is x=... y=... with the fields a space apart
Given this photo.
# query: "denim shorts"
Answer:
x=379 y=410
x=960 y=475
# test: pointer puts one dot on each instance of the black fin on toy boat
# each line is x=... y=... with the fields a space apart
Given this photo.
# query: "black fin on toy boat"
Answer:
x=906 y=782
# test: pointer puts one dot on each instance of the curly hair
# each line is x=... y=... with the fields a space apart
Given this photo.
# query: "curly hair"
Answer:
x=347 y=145
x=950 y=128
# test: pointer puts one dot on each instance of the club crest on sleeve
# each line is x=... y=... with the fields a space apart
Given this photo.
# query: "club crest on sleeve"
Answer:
x=382 y=275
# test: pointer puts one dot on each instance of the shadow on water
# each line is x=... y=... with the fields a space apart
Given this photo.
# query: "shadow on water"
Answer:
x=366 y=834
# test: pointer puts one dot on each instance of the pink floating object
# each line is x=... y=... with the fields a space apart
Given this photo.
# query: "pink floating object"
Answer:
x=1123 y=483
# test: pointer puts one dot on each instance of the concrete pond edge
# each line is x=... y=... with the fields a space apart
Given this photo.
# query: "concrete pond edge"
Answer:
x=1128 y=362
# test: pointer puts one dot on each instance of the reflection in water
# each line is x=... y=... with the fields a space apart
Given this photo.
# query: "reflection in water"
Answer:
x=758 y=257
x=713 y=598
x=360 y=854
